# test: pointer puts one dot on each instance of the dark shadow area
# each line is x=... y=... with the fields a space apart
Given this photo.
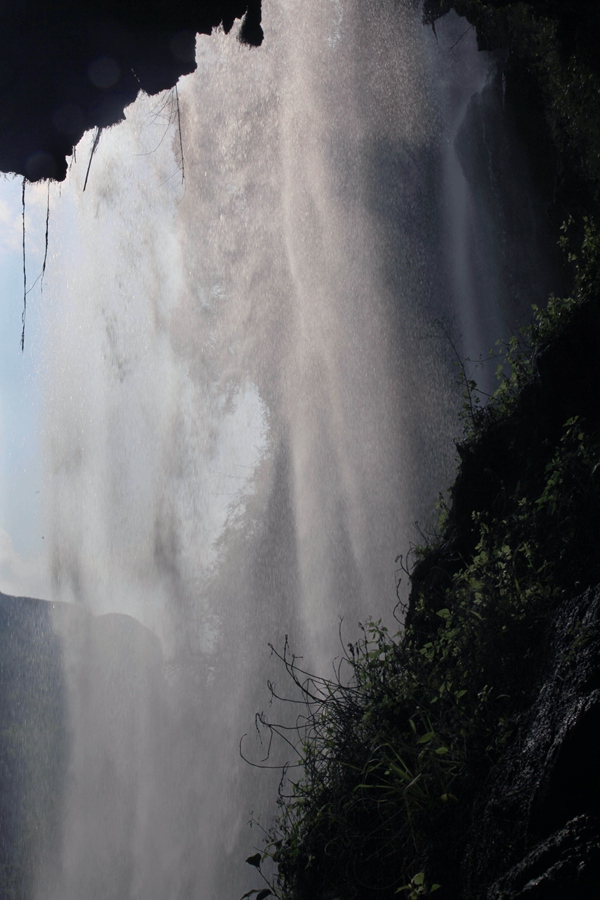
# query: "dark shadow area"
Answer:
x=66 y=67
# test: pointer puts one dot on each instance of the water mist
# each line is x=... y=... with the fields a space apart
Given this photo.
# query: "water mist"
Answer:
x=248 y=406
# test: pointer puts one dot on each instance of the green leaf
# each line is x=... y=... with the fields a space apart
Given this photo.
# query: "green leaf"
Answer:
x=419 y=878
x=254 y=860
x=249 y=894
x=264 y=893
x=426 y=737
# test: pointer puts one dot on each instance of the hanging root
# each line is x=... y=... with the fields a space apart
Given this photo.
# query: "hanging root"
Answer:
x=94 y=147
x=40 y=277
x=180 y=135
x=46 y=239
x=24 y=314
x=174 y=116
x=43 y=272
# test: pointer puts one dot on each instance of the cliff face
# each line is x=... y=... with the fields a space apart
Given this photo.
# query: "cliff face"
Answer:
x=545 y=796
x=533 y=827
x=66 y=67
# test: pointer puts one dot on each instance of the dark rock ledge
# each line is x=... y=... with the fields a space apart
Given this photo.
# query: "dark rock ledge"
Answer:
x=545 y=799
x=68 y=66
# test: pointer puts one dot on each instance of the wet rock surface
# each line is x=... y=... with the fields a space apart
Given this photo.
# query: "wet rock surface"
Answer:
x=566 y=862
x=540 y=822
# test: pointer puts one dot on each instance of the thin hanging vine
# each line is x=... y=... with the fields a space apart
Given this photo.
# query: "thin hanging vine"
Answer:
x=46 y=238
x=24 y=314
x=40 y=278
x=94 y=148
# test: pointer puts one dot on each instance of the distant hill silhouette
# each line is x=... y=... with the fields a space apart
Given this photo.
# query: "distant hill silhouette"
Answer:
x=62 y=669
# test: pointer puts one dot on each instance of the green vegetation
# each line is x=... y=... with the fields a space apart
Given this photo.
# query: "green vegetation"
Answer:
x=397 y=747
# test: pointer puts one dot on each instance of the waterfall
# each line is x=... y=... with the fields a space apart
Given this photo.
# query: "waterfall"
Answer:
x=248 y=406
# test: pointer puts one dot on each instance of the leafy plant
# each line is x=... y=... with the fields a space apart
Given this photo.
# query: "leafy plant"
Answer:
x=418 y=887
x=393 y=749
x=389 y=754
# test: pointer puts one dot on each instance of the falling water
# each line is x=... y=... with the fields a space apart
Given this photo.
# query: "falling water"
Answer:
x=248 y=407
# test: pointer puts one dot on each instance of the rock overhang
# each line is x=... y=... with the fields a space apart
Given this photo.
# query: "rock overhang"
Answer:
x=67 y=67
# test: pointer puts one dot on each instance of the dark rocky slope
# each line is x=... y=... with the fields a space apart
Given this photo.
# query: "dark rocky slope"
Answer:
x=534 y=826
x=545 y=797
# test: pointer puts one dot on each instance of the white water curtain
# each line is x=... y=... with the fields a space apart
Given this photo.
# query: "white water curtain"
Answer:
x=248 y=406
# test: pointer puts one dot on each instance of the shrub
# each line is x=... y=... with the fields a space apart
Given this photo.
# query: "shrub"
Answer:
x=394 y=749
